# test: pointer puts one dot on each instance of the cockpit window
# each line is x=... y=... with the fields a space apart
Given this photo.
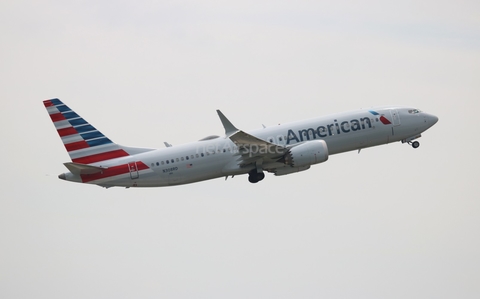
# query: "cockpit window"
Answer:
x=414 y=111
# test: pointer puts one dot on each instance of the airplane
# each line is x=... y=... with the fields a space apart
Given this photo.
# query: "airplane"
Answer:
x=281 y=149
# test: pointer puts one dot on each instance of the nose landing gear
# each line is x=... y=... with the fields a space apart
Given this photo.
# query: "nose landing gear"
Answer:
x=414 y=144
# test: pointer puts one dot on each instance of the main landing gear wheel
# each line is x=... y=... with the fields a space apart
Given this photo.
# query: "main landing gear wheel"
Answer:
x=415 y=144
x=255 y=177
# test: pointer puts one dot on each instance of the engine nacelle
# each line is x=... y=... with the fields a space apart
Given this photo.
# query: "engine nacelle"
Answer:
x=308 y=153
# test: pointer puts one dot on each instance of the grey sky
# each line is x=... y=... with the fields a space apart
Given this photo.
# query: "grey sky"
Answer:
x=391 y=222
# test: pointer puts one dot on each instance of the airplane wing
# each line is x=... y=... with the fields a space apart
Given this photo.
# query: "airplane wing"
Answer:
x=251 y=149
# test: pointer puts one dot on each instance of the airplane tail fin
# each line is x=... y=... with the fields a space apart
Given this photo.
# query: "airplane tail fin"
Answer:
x=83 y=142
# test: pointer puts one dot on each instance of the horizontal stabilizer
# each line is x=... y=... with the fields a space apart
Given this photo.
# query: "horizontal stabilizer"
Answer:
x=78 y=169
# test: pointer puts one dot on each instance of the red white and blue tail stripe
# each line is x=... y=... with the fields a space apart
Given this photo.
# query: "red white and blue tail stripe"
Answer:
x=84 y=143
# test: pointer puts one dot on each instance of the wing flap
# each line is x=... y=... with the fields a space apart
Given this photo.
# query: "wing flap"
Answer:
x=253 y=149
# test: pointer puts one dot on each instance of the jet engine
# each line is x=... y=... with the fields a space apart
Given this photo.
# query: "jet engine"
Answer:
x=306 y=154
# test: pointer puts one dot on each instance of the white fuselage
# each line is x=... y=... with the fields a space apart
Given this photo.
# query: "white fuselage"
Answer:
x=218 y=156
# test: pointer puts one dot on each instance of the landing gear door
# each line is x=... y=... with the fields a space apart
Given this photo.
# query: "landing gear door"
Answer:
x=132 y=166
x=395 y=117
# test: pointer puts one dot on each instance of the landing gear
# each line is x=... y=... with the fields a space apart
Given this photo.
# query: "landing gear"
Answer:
x=255 y=177
x=414 y=144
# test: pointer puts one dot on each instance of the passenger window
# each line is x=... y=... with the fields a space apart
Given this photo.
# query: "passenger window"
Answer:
x=167 y=162
x=186 y=157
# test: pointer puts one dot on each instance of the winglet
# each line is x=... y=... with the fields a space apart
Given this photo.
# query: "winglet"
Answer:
x=229 y=127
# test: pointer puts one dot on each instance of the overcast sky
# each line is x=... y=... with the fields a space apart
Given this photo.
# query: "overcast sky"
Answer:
x=390 y=222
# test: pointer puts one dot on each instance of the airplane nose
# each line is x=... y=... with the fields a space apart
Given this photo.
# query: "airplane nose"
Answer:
x=430 y=120
x=62 y=176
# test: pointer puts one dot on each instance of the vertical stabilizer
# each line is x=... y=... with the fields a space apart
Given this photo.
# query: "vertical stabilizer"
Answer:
x=83 y=142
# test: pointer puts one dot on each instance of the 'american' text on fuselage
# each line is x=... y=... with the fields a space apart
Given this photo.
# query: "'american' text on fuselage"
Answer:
x=329 y=130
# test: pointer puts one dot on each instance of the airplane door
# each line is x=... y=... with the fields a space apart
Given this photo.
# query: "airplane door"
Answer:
x=132 y=166
x=395 y=117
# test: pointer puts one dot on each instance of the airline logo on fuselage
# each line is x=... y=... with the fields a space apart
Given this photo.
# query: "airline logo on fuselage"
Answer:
x=335 y=128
